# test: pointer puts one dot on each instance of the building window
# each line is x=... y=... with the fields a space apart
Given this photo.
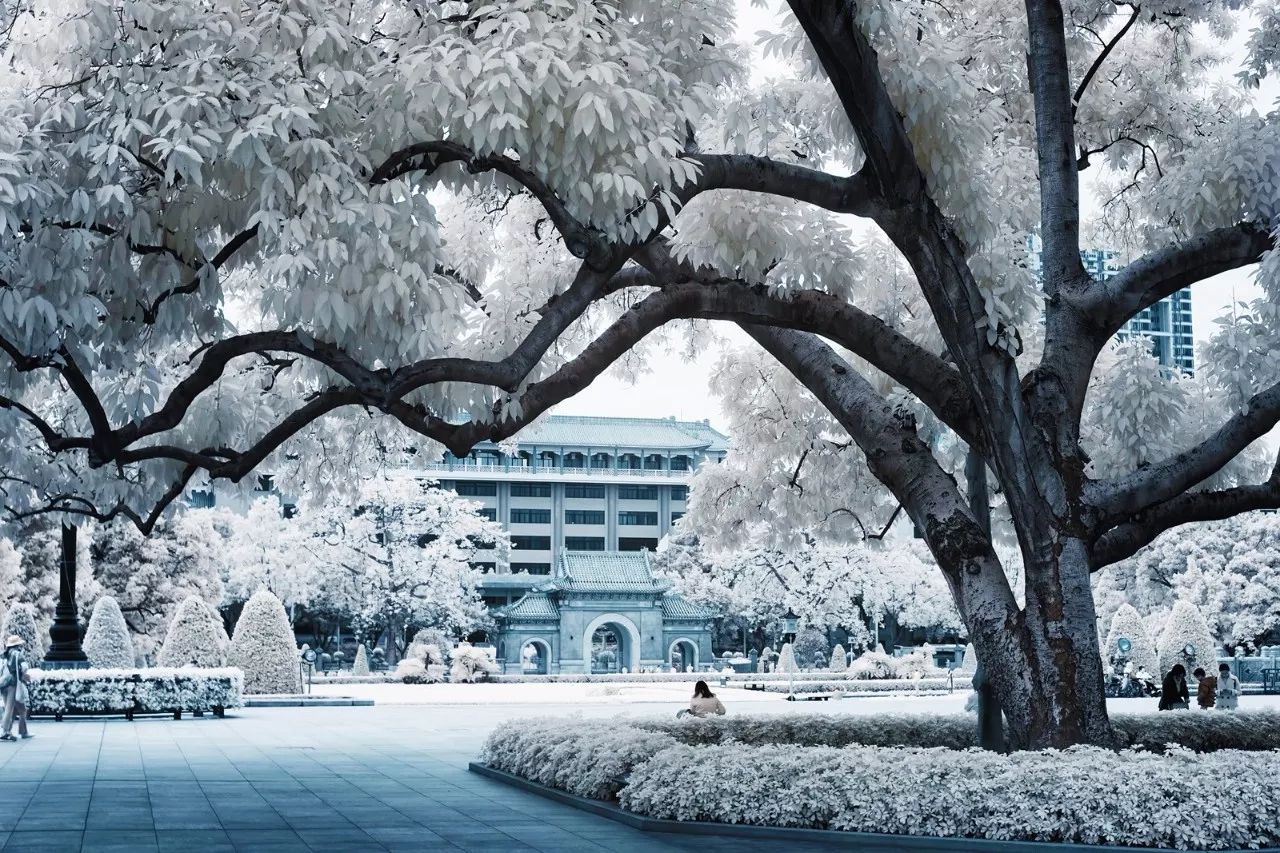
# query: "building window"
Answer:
x=575 y=460
x=530 y=490
x=477 y=489
x=679 y=493
x=638 y=518
x=265 y=483
x=638 y=493
x=530 y=516
x=532 y=568
x=495 y=601
x=584 y=543
x=488 y=512
x=676 y=516
x=289 y=510
x=679 y=463
x=578 y=490
x=531 y=543
x=202 y=499
x=484 y=567
x=584 y=516
x=630 y=543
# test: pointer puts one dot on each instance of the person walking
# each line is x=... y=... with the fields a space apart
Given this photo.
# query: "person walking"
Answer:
x=13 y=685
x=1206 y=686
x=1228 y=689
x=1173 y=692
x=704 y=703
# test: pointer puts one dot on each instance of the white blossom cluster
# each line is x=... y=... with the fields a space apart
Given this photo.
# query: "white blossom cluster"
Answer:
x=153 y=690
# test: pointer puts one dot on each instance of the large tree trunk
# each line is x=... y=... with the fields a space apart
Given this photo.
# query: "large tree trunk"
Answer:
x=1047 y=671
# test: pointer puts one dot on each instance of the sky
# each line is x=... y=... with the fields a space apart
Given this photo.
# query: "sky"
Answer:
x=679 y=386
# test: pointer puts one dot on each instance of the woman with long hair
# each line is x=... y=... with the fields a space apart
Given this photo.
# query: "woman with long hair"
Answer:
x=704 y=703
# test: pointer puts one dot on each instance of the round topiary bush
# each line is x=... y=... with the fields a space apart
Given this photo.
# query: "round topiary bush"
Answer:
x=195 y=637
x=263 y=646
x=107 y=643
x=21 y=620
x=361 y=665
x=1186 y=626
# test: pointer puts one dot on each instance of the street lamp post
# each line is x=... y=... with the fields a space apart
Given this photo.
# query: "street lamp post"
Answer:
x=790 y=624
x=65 y=650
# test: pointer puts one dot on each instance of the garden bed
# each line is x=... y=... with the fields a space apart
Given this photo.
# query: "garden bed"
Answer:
x=861 y=679
x=916 y=776
x=67 y=692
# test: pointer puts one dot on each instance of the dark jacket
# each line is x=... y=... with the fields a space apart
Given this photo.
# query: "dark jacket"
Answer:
x=1205 y=690
x=1173 y=692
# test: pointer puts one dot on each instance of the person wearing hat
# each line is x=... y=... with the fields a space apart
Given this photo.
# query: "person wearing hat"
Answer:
x=13 y=684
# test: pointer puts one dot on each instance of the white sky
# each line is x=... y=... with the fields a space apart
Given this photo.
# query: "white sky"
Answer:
x=677 y=386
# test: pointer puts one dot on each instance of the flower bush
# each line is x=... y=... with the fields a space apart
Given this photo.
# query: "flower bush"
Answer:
x=263 y=646
x=107 y=643
x=877 y=664
x=1040 y=796
x=158 y=690
x=195 y=637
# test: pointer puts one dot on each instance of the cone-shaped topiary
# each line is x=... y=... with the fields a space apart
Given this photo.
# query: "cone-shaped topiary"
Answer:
x=1128 y=624
x=21 y=620
x=970 y=662
x=195 y=638
x=361 y=665
x=1186 y=626
x=786 y=660
x=107 y=643
x=838 y=663
x=263 y=646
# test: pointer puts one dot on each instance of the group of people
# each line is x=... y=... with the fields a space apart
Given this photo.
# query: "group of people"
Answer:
x=1221 y=691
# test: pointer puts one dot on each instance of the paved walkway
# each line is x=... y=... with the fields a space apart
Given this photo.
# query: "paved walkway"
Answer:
x=331 y=779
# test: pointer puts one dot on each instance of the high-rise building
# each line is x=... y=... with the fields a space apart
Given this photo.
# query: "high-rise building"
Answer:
x=1167 y=324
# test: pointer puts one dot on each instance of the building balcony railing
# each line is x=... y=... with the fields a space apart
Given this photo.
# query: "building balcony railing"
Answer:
x=541 y=469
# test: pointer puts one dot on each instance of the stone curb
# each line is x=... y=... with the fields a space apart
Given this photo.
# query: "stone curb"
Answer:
x=865 y=842
x=304 y=702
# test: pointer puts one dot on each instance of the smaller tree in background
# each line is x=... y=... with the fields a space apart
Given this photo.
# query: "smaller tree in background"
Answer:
x=107 y=643
x=1127 y=623
x=361 y=664
x=21 y=621
x=838 y=662
x=811 y=648
x=470 y=663
x=1186 y=626
x=786 y=659
x=195 y=638
x=262 y=645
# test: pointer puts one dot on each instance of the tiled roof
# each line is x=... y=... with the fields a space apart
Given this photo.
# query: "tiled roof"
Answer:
x=607 y=571
x=581 y=431
x=677 y=607
x=533 y=606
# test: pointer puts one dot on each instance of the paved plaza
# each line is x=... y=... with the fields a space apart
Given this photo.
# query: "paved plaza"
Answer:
x=293 y=779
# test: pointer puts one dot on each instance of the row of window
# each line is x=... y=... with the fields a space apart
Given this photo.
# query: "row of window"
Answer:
x=582 y=516
x=488 y=489
x=580 y=543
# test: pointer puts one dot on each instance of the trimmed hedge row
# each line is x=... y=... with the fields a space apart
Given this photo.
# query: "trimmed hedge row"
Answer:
x=134 y=691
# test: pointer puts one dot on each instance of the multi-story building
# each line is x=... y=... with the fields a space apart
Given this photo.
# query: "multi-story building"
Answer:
x=1167 y=324
x=575 y=483
x=576 y=494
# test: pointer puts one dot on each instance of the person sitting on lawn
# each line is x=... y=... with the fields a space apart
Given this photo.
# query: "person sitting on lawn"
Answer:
x=704 y=703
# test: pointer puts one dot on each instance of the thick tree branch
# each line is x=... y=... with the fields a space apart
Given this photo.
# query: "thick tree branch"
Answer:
x=1164 y=480
x=1127 y=539
x=852 y=194
x=580 y=239
x=1050 y=80
x=1160 y=273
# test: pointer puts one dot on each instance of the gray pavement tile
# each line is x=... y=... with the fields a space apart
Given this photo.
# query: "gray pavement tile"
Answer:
x=119 y=841
x=193 y=841
x=43 y=842
x=267 y=841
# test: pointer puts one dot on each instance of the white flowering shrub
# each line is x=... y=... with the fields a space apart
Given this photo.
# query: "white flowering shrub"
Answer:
x=195 y=637
x=1186 y=626
x=877 y=664
x=158 y=690
x=107 y=643
x=914 y=686
x=432 y=638
x=469 y=663
x=361 y=664
x=590 y=758
x=1035 y=796
x=21 y=620
x=838 y=662
x=263 y=646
